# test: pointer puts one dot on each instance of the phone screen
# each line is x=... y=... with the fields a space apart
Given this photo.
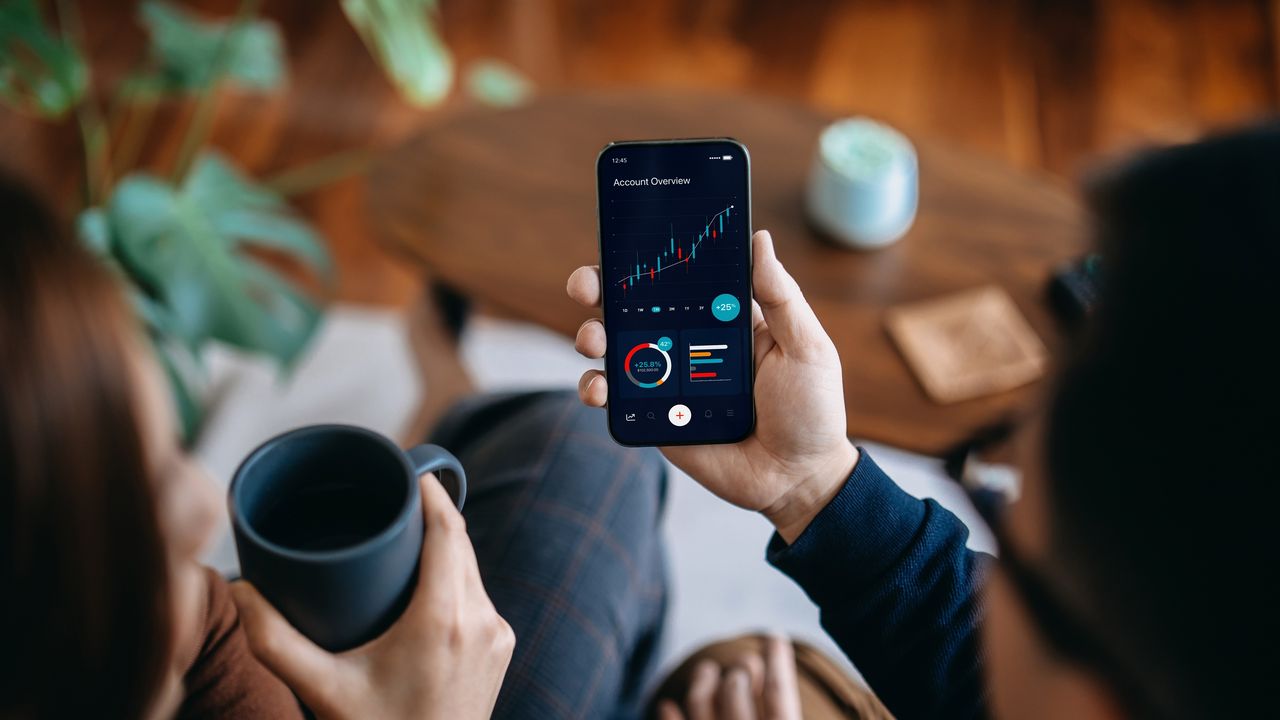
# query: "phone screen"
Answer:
x=675 y=265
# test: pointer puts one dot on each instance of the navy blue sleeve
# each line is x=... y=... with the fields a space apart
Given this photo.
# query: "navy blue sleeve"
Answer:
x=897 y=589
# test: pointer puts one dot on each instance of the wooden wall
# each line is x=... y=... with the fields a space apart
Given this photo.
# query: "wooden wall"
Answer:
x=1042 y=84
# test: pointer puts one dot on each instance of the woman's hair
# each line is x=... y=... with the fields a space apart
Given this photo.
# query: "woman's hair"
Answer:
x=1162 y=432
x=84 y=610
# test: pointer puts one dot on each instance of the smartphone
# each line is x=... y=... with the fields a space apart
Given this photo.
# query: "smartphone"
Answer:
x=675 y=270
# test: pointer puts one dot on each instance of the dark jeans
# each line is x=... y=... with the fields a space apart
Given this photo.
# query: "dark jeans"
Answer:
x=565 y=526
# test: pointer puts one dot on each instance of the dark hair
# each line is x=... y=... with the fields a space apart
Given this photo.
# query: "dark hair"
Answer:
x=84 y=611
x=1162 y=430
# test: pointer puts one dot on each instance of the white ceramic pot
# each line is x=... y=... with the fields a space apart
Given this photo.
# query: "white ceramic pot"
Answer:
x=863 y=186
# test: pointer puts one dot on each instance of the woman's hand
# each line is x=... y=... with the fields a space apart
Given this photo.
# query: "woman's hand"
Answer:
x=444 y=658
x=799 y=457
x=751 y=689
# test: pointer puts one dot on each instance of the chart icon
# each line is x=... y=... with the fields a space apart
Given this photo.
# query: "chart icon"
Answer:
x=706 y=361
x=648 y=364
x=713 y=361
x=653 y=370
x=677 y=254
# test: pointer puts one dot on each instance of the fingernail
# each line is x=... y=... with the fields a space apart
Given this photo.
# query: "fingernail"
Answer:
x=591 y=382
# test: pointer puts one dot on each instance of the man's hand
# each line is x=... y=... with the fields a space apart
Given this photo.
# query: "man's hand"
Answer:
x=444 y=658
x=799 y=457
x=752 y=689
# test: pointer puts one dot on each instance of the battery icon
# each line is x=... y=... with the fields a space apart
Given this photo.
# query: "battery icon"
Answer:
x=727 y=157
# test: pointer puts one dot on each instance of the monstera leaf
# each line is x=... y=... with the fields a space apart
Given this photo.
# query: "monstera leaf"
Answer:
x=186 y=247
x=402 y=36
x=191 y=53
x=40 y=73
x=180 y=360
x=183 y=250
x=495 y=83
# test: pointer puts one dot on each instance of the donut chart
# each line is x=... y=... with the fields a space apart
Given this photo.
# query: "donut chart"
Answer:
x=647 y=365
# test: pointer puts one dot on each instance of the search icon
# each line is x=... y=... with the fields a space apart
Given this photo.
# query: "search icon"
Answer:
x=649 y=415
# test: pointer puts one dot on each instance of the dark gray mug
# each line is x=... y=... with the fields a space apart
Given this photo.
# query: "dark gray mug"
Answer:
x=328 y=527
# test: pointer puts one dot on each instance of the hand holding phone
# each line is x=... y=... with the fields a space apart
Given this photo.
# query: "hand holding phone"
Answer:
x=799 y=456
x=675 y=218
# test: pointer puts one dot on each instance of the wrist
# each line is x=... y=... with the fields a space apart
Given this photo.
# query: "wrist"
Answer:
x=793 y=512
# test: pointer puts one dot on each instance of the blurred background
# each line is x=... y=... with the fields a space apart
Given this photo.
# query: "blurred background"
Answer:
x=1043 y=85
x=295 y=129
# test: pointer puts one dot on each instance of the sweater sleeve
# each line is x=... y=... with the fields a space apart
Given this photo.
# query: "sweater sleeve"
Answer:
x=897 y=590
x=225 y=680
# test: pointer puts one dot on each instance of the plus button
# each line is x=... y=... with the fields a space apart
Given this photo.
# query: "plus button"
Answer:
x=679 y=415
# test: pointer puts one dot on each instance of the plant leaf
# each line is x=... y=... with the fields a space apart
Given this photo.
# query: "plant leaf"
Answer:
x=172 y=349
x=192 y=53
x=283 y=301
x=184 y=399
x=402 y=36
x=94 y=231
x=91 y=227
x=496 y=83
x=40 y=72
x=185 y=248
x=252 y=214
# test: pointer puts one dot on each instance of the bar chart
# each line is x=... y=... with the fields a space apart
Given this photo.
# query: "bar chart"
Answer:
x=705 y=361
x=713 y=360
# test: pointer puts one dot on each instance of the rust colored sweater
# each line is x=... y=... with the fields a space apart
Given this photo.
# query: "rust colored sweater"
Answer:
x=225 y=680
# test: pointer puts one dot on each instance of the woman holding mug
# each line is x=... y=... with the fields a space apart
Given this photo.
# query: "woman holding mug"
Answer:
x=105 y=609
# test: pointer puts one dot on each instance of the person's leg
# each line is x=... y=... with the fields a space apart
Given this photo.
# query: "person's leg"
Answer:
x=565 y=526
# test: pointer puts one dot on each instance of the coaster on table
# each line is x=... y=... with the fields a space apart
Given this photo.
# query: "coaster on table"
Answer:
x=968 y=344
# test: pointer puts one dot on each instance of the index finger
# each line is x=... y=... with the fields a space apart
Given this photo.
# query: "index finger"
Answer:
x=307 y=669
x=781 y=687
x=443 y=529
x=584 y=286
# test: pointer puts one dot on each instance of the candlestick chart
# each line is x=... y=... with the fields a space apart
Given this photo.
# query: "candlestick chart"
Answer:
x=674 y=250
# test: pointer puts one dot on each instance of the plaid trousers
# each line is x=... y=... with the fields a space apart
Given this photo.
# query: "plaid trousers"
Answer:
x=565 y=527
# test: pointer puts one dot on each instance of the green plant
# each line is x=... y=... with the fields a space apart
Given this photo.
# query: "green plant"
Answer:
x=186 y=243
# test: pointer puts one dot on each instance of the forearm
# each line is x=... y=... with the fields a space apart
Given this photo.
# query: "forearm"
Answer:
x=898 y=592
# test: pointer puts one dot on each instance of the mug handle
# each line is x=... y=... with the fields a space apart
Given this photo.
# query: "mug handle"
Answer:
x=427 y=458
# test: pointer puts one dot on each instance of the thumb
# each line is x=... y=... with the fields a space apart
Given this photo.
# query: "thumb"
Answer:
x=307 y=669
x=790 y=319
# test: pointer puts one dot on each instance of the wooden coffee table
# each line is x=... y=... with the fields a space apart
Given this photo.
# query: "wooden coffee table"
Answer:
x=501 y=206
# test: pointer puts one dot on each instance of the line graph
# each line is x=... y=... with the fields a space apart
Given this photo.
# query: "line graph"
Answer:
x=675 y=254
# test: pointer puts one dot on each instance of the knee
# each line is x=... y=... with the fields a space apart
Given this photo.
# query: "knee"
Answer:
x=559 y=416
x=588 y=454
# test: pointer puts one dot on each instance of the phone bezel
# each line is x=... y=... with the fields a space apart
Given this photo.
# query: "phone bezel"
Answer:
x=750 y=345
